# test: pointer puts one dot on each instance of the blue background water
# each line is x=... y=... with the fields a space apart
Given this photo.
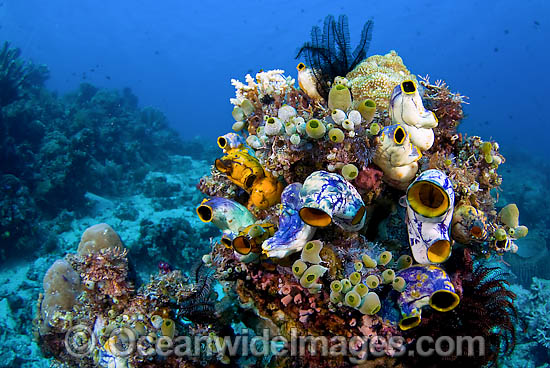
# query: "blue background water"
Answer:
x=179 y=56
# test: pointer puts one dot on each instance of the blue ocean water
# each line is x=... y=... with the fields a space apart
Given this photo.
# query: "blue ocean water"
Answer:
x=179 y=57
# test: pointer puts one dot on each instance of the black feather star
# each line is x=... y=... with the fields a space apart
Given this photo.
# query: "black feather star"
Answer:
x=329 y=53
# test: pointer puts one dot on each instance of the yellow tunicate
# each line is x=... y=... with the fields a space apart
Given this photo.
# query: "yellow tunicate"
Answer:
x=361 y=289
x=399 y=284
x=486 y=147
x=358 y=266
x=509 y=215
x=315 y=129
x=367 y=108
x=335 y=297
x=368 y=261
x=371 y=304
x=374 y=129
x=336 y=135
x=339 y=97
x=354 y=278
x=521 y=231
x=298 y=268
x=311 y=275
x=500 y=234
x=346 y=285
x=373 y=281
x=384 y=258
x=388 y=276
x=489 y=158
x=238 y=113
x=168 y=328
x=404 y=261
x=336 y=286
x=352 y=299
x=350 y=171
x=247 y=106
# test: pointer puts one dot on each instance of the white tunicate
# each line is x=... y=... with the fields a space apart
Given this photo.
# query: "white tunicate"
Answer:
x=355 y=117
x=273 y=126
x=295 y=139
x=338 y=116
x=331 y=167
x=290 y=128
x=348 y=125
x=351 y=134
x=253 y=141
x=331 y=156
x=301 y=127
x=238 y=126
x=286 y=112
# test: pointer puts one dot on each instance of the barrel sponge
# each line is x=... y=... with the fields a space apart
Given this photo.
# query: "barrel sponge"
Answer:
x=97 y=237
x=61 y=288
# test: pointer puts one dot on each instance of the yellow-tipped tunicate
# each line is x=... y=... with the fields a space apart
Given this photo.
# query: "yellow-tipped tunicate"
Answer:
x=355 y=117
x=368 y=261
x=298 y=268
x=509 y=215
x=336 y=297
x=273 y=126
x=310 y=252
x=520 y=231
x=338 y=116
x=350 y=171
x=384 y=258
x=486 y=147
x=371 y=304
x=336 y=286
x=311 y=275
x=500 y=234
x=358 y=266
x=348 y=125
x=247 y=106
x=339 y=97
x=372 y=281
x=404 y=261
x=286 y=112
x=388 y=276
x=374 y=129
x=238 y=126
x=346 y=285
x=295 y=139
x=238 y=114
x=354 y=278
x=315 y=129
x=290 y=128
x=336 y=135
x=399 y=284
x=352 y=299
x=168 y=328
x=367 y=108
x=361 y=289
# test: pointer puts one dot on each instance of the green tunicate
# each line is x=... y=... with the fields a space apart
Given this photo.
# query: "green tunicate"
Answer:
x=448 y=162
x=339 y=97
x=500 y=234
x=238 y=126
x=346 y=285
x=310 y=252
x=373 y=281
x=352 y=299
x=238 y=113
x=399 y=284
x=358 y=266
x=315 y=129
x=361 y=289
x=354 y=278
x=512 y=232
x=336 y=286
x=350 y=171
x=298 y=268
x=335 y=297
x=336 y=135
x=368 y=261
x=489 y=158
x=247 y=106
x=311 y=275
x=371 y=304
x=388 y=276
x=404 y=261
x=384 y=258
x=330 y=126
x=521 y=231
x=486 y=147
x=295 y=139
x=374 y=129
x=509 y=215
